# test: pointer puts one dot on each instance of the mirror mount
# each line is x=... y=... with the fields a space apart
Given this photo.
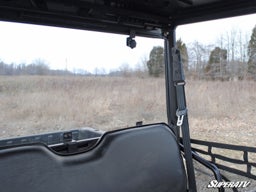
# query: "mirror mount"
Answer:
x=130 y=41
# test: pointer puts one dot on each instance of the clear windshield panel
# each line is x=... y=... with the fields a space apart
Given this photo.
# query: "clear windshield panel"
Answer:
x=54 y=79
x=221 y=93
x=220 y=60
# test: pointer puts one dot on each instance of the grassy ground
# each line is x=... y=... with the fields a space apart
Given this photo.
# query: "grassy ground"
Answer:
x=223 y=111
x=218 y=111
x=42 y=104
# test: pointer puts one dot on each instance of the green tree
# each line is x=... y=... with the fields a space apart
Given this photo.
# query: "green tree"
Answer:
x=252 y=54
x=217 y=64
x=156 y=62
x=184 y=53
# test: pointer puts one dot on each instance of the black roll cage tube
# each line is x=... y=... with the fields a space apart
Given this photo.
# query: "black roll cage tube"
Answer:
x=172 y=104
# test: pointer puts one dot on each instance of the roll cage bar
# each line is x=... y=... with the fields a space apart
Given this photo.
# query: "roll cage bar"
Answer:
x=147 y=18
x=150 y=18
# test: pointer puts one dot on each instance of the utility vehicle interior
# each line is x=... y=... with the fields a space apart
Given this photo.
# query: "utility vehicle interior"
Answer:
x=141 y=158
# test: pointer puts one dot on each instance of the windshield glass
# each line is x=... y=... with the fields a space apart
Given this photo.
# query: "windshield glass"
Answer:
x=221 y=96
x=221 y=78
x=55 y=79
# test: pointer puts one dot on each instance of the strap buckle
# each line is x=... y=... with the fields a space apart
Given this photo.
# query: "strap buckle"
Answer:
x=180 y=120
x=180 y=114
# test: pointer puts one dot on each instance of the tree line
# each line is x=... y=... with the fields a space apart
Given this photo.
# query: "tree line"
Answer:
x=38 y=67
x=233 y=57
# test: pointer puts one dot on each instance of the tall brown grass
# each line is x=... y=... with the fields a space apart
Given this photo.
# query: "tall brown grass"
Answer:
x=34 y=104
x=223 y=111
x=220 y=111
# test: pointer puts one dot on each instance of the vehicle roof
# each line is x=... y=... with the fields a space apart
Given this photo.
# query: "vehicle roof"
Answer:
x=144 y=17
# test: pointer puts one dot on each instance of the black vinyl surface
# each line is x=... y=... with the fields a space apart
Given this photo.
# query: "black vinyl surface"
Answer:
x=141 y=159
x=148 y=18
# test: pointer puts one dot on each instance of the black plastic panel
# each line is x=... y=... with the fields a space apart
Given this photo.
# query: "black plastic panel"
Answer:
x=53 y=138
x=146 y=18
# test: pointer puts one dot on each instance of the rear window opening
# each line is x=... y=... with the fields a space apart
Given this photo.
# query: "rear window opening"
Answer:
x=56 y=79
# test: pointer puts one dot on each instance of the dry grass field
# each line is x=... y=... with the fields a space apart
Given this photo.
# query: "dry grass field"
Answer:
x=218 y=111
x=33 y=104
x=221 y=111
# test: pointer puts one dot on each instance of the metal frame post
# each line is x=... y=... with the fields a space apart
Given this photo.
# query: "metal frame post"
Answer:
x=169 y=43
x=175 y=96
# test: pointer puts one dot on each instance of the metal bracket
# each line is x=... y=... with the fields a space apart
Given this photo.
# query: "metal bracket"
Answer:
x=130 y=41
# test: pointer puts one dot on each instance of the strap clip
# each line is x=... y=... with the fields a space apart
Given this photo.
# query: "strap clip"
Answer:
x=180 y=114
x=179 y=83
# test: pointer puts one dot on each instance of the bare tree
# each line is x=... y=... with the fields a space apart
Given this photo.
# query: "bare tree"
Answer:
x=235 y=42
x=198 y=58
x=125 y=70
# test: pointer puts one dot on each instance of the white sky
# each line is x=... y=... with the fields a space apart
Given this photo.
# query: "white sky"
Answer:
x=208 y=32
x=61 y=48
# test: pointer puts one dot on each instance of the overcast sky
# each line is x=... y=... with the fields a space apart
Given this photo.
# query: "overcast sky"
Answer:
x=208 y=32
x=68 y=48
